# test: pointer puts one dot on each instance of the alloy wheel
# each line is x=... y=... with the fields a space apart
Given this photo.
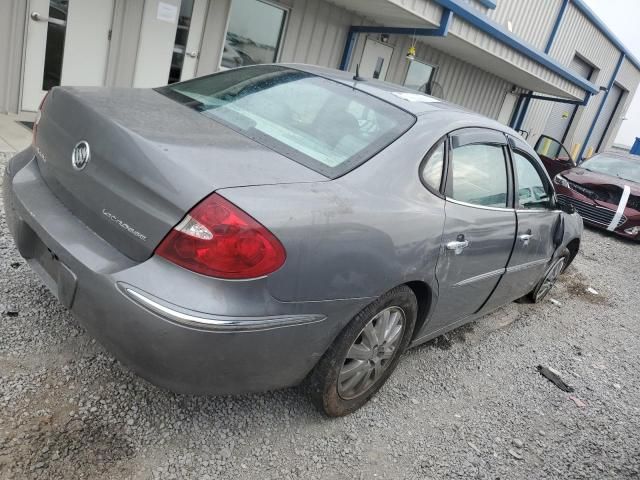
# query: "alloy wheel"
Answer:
x=371 y=352
x=550 y=279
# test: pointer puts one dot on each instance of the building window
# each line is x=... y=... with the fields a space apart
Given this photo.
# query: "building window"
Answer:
x=419 y=76
x=254 y=34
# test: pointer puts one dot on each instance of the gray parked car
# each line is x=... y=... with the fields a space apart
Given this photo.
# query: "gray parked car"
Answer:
x=251 y=229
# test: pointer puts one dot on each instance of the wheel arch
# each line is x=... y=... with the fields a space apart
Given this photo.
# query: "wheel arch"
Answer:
x=573 y=246
x=424 y=295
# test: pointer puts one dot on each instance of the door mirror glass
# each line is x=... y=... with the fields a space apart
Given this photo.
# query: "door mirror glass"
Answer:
x=479 y=175
x=567 y=208
x=533 y=191
x=550 y=148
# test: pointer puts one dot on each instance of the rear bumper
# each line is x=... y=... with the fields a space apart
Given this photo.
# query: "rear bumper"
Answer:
x=185 y=332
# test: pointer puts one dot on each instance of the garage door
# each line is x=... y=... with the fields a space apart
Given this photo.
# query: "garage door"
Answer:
x=605 y=118
x=561 y=113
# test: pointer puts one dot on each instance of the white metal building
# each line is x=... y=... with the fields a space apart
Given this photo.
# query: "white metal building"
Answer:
x=543 y=66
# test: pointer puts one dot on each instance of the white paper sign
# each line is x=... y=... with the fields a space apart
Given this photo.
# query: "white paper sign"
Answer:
x=415 y=97
x=167 y=12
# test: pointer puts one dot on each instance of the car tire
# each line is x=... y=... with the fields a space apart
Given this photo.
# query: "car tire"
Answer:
x=551 y=275
x=340 y=383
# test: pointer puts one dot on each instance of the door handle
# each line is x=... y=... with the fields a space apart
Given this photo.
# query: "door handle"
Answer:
x=525 y=237
x=193 y=54
x=35 y=16
x=458 y=246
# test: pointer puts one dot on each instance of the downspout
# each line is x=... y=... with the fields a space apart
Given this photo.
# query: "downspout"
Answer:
x=602 y=103
x=354 y=30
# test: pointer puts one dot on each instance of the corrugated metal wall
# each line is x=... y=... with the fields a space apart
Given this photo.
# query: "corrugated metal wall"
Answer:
x=628 y=78
x=316 y=33
x=475 y=36
x=462 y=83
x=426 y=9
x=12 y=15
x=578 y=34
x=521 y=13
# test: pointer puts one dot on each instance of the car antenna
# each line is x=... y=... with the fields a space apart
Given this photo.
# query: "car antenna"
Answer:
x=357 y=76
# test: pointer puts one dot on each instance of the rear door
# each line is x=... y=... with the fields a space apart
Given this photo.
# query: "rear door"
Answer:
x=480 y=224
x=538 y=229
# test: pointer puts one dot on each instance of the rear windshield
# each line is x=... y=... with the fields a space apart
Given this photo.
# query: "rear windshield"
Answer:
x=324 y=125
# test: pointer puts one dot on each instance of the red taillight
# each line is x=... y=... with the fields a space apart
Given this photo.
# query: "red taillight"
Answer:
x=218 y=239
x=38 y=116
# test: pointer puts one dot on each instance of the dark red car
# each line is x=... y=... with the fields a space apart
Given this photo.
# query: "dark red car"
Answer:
x=605 y=190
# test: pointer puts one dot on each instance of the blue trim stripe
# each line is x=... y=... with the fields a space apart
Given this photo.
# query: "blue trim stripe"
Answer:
x=604 y=100
x=488 y=3
x=477 y=19
x=590 y=14
x=556 y=26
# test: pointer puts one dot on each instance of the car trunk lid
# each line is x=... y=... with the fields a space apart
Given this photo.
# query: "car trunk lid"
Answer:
x=151 y=160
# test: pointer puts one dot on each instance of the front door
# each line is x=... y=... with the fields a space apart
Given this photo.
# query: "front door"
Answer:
x=375 y=59
x=170 y=41
x=67 y=43
x=539 y=229
x=480 y=225
x=554 y=156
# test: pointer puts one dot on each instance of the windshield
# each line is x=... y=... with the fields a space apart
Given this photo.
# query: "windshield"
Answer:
x=325 y=125
x=626 y=169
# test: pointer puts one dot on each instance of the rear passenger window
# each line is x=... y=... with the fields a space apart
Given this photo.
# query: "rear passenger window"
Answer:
x=478 y=175
x=532 y=193
x=432 y=170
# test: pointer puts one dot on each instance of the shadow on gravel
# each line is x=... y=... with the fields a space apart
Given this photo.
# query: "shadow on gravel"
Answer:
x=448 y=340
x=59 y=450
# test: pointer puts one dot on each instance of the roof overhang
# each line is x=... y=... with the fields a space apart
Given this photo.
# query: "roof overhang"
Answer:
x=385 y=13
x=470 y=53
x=555 y=78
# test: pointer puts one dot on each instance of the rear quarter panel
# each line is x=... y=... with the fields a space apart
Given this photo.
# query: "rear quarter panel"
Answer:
x=359 y=235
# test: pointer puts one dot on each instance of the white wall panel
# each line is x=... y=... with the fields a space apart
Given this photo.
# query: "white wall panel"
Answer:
x=12 y=22
x=531 y=20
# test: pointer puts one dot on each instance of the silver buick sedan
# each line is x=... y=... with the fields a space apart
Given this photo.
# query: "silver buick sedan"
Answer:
x=280 y=224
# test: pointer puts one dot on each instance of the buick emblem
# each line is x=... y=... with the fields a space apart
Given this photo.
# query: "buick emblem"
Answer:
x=81 y=155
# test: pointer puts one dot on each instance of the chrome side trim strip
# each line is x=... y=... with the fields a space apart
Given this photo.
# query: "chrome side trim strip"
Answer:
x=483 y=276
x=481 y=207
x=524 y=266
x=222 y=323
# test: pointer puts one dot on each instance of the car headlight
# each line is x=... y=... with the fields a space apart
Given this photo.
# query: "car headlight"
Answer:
x=560 y=180
x=632 y=230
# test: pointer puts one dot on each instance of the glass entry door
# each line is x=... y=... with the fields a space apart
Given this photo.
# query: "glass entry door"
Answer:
x=170 y=41
x=186 y=48
x=67 y=44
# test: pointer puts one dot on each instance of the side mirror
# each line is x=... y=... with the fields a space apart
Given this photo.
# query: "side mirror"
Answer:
x=567 y=208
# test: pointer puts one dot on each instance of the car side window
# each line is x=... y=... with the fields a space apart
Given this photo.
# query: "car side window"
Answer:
x=533 y=191
x=432 y=169
x=478 y=175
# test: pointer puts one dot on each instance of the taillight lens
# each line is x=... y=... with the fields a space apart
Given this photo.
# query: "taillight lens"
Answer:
x=218 y=239
x=38 y=116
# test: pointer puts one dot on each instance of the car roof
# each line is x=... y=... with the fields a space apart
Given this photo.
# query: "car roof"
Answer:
x=415 y=102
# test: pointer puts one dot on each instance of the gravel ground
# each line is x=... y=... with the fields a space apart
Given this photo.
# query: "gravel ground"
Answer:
x=467 y=405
